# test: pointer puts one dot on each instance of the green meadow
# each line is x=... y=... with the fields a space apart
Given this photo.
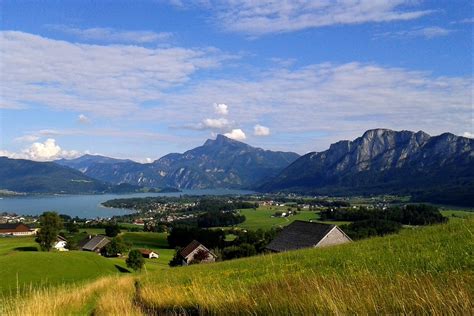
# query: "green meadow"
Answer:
x=422 y=270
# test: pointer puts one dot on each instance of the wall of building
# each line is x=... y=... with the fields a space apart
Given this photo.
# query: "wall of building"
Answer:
x=335 y=237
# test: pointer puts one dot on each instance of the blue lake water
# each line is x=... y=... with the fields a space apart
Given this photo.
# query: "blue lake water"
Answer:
x=87 y=206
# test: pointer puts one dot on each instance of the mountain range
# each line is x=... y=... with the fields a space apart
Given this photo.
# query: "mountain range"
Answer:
x=219 y=163
x=381 y=161
x=437 y=168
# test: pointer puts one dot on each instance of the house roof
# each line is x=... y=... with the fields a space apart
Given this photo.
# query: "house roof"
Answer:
x=96 y=242
x=146 y=251
x=14 y=227
x=60 y=238
x=186 y=251
x=300 y=234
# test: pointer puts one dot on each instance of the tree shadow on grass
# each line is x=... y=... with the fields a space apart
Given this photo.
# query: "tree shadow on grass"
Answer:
x=122 y=269
x=26 y=248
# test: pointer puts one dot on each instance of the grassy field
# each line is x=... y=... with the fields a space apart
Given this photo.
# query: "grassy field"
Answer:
x=419 y=271
x=262 y=218
x=154 y=241
x=22 y=265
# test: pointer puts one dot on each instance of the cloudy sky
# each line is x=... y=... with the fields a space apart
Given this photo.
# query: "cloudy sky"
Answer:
x=140 y=79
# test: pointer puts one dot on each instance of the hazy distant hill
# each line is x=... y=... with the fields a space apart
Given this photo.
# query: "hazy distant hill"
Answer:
x=84 y=162
x=219 y=163
x=385 y=161
x=45 y=177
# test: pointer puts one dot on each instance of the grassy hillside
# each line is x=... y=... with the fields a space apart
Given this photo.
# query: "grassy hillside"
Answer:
x=420 y=270
x=23 y=265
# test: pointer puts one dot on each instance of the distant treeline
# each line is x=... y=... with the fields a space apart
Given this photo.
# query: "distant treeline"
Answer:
x=379 y=222
x=419 y=214
x=218 y=219
x=219 y=204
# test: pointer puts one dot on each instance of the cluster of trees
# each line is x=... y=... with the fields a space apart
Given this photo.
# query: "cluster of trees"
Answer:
x=182 y=235
x=419 y=214
x=371 y=227
x=372 y=222
x=222 y=218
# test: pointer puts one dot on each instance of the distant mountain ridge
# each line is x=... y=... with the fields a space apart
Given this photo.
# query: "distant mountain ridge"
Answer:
x=219 y=163
x=382 y=161
x=28 y=176
x=84 y=162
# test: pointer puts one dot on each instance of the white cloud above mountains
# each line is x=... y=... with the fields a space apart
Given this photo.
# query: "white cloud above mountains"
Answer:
x=104 y=80
x=236 y=134
x=322 y=101
x=259 y=130
x=256 y=18
x=221 y=108
x=426 y=32
x=45 y=151
x=111 y=35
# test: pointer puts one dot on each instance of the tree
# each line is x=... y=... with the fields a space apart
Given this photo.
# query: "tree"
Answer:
x=71 y=227
x=50 y=226
x=177 y=260
x=135 y=260
x=116 y=247
x=112 y=230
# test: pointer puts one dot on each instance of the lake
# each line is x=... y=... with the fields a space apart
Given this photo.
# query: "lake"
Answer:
x=87 y=206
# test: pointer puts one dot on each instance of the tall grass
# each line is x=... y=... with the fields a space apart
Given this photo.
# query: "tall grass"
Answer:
x=420 y=271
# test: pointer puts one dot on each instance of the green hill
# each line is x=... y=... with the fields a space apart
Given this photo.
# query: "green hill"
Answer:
x=22 y=266
x=421 y=271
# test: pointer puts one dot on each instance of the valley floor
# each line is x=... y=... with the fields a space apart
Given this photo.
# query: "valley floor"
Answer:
x=421 y=270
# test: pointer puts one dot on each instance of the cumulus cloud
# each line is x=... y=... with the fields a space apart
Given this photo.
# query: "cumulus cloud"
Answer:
x=83 y=119
x=259 y=130
x=45 y=151
x=468 y=135
x=236 y=134
x=219 y=123
x=426 y=32
x=268 y=16
x=105 y=80
x=321 y=103
x=221 y=108
x=107 y=34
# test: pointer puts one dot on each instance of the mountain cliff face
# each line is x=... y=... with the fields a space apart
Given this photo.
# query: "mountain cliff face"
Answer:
x=219 y=163
x=382 y=161
x=45 y=177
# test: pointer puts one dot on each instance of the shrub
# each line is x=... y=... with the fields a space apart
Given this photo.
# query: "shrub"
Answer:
x=135 y=260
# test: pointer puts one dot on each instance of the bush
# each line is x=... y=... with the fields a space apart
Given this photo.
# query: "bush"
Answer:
x=135 y=260
x=241 y=251
x=372 y=227
x=112 y=230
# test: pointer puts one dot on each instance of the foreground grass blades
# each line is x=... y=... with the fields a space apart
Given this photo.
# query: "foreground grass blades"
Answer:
x=420 y=271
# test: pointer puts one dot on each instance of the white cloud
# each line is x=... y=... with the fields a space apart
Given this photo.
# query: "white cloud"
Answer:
x=259 y=130
x=268 y=16
x=46 y=151
x=468 y=135
x=426 y=32
x=83 y=119
x=104 y=80
x=219 y=123
x=464 y=21
x=236 y=134
x=107 y=34
x=322 y=103
x=221 y=108
x=26 y=139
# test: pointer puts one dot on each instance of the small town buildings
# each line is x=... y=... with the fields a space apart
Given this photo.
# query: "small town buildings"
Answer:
x=189 y=253
x=60 y=244
x=301 y=234
x=95 y=244
x=16 y=229
x=148 y=253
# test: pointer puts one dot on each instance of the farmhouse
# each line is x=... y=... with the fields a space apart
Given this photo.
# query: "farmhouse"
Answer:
x=148 y=253
x=300 y=234
x=95 y=243
x=189 y=252
x=16 y=229
x=60 y=244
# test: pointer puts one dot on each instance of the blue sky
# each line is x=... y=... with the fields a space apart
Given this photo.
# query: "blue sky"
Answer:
x=140 y=79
